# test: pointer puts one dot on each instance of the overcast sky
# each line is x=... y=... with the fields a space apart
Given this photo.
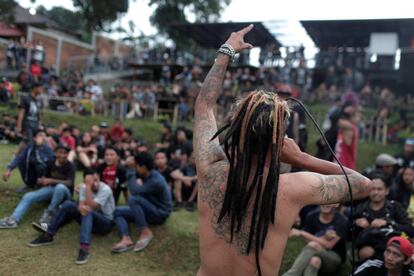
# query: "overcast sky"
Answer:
x=266 y=10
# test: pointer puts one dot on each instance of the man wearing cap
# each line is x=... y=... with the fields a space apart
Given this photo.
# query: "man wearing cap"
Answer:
x=384 y=164
x=56 y=185
x=397 y=260
x=29 y=112
x=406 y=159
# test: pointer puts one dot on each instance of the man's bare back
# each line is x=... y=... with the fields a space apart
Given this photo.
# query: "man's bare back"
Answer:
x=218 y=255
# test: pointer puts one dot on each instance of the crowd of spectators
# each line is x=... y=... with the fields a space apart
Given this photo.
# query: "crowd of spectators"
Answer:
x=125 y=180
x=152 y=182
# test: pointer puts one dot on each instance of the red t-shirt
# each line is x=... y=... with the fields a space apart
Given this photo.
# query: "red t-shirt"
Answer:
x=347 y=153
x=35 y=69
x=68 y=142
x=109 y=176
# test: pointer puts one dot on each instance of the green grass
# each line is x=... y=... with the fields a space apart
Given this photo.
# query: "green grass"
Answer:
x=173 y=252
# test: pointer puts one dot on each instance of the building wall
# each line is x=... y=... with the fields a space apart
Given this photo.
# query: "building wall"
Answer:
x=106 y=47
x=74 y=52
x=3 y=48
x=69 y=51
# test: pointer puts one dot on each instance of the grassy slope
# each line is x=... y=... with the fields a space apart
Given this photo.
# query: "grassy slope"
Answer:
x=173 y=252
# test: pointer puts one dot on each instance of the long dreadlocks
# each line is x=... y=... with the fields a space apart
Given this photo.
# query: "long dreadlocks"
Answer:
x=256 y=127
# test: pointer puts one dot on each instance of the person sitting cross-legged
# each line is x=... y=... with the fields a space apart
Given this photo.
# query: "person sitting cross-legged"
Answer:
x=55 y=186
x=185 y=186
x=94 y=213
x=324 y=232
x=149 y=203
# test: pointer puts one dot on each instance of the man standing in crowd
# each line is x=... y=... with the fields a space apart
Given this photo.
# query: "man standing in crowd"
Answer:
x=384 y=164
x=94 y=213
x=29 y=112
x=32 y=161
x=55 y=186
x=325 y=232
x=377 y=219
x=347 y=142
x=396 y=260
x=112 y=173
x=149 y=203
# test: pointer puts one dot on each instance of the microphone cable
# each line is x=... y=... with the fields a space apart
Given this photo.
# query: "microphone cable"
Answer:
x=345 y=174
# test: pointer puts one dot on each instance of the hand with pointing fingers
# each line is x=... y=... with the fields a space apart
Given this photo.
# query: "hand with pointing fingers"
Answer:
x=236 y=39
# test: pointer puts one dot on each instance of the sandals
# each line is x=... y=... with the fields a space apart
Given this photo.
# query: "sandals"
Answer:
x=142 y=244
x=122 y=248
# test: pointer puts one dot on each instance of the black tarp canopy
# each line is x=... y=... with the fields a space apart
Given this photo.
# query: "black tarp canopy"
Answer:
x=212 y=35
x=356 y=33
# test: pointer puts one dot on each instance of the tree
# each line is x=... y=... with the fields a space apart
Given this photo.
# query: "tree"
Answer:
x=98 y=13
x=7 y=11
x=65 y=19
x=168 y=11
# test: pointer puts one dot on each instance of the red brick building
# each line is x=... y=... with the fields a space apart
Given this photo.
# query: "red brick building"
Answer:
x=61 y=46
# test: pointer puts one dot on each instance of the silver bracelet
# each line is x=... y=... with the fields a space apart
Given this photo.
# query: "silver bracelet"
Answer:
x=228 y=50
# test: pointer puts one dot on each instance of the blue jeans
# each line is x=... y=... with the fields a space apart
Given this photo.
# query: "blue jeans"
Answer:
x=94 y=222
x=140 y=211
x=56 y=194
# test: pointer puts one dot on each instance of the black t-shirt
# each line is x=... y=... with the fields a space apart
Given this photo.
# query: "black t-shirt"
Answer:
x=189 y=170
x=392 y=212
x=339 y=224
x=31 y=110
x=167 y=174
x=181 y=148
x=64 y=172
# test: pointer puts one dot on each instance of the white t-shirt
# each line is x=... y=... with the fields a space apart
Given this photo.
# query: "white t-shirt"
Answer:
x=103 y=197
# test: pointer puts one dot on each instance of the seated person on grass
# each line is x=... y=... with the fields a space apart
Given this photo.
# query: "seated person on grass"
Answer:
x=112 y=173
x=396 y=260
x=86 y=151
x=149 y=203
x=378 y=219
x=185 y=186
x=161 y=165
x=324 y=232
x=32 y=161
x=94 y=213
x=55 y=186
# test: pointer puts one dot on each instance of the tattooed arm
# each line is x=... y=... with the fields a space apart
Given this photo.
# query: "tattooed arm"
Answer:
x=313 y=188
x=205 y=125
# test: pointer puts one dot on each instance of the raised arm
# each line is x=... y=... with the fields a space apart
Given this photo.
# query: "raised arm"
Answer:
x=205 y=125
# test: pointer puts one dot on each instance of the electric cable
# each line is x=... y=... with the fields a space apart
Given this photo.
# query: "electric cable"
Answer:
x=344 y=172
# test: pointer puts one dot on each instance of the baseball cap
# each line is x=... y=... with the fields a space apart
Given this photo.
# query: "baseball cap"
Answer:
x=409 y=141
x=402 y=244
x=385 y=159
